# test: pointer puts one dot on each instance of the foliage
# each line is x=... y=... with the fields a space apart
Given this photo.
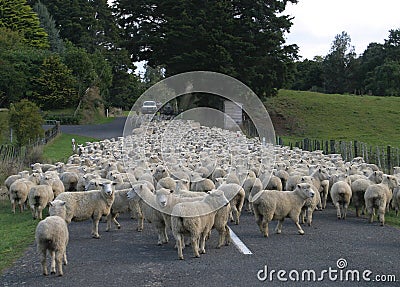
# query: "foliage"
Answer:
x=241 y=38
x=54 y=86
x=48 y=23
x=370 y=119
x=91 y=106
x=26 y=121
x=18 y=16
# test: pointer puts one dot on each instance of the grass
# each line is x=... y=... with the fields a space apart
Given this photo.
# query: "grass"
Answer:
x=17 y=232
x=60 y=148
x=368 y=119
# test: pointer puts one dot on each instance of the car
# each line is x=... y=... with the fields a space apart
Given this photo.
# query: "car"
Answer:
x=149 y=107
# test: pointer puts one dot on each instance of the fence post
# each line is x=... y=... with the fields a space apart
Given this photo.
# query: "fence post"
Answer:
x=389 y=159
x=355 y=149
x=332 y=143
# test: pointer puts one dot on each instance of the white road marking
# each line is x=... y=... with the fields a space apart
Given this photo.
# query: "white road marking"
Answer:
x=239 y=243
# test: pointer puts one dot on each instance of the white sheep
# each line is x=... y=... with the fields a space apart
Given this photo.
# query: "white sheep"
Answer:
x=359 y=187
x=18 y=192
x=396 y=199
x=277 y=205
x=120 y=205
x=39 y=197
x=196 y=219
x=83 y=205
x=52 y=235
x=311 y=204
x=199 y=183
x=9 y=180
x=70 y=181
x=378 y=196
x=52 y=179
x=236 y=195
x=341 y=195
x=145 y=199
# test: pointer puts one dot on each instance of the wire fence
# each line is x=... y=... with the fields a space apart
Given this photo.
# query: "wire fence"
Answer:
x=9 y=152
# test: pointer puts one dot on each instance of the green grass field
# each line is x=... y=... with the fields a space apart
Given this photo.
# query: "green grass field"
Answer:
x=368 y=119
x=60 y=148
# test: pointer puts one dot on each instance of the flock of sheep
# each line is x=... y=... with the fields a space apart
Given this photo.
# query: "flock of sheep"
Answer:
x=188 y=179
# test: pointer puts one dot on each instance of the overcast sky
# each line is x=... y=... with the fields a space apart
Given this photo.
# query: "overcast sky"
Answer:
x=317 y=22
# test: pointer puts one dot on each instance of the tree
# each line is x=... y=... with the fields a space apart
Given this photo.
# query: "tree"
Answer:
x=384 y=80
x=26 y=122
x=244 y=39
x=18 y=16
x=54 y=87
x=48 y=23
x=337 y=64
x=308 y=75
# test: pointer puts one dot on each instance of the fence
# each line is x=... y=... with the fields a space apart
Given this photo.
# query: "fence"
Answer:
x=385 y=157
x=11 y=152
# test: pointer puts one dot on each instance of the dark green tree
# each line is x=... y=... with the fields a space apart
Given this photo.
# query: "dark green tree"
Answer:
x=48 y=23
x=26 y=122
x=54 y=87
x=337 y=64
x=384 y=80
x=18 y=16
x=308 y=75
x=244 y=39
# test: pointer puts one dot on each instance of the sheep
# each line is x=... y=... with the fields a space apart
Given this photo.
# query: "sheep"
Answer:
x=143 y=197
x=12 y=178
x=378 y=196
x=166 y=182
x=269 y=205
x=52 y=180
x=311 y=204
x=201 y=184
x=39 y=197
x=251 y=186
x=235 y=194
x=196 y=219
x=120 y=205
x=70 y=180
x=52 y=234
x=19 y=191
x=341 y=195
x=160 y=172
x=359 y=187
x=396 y=199
x=82 y=205
x=274 y=183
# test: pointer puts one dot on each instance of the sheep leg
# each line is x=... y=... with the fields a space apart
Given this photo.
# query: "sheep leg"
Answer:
x=21 y=207
x=13 y=205
x=59 y=259
x=295 y=218
x=195 y=246
x=264 y=227
x=234 y=214
x=381 y=211
x=338 y=214
x=302 y=216
x=345 y=206
x=179 y=242
x=114 y=218
x=40 y=212
x=95 y=226
x=309 y=216
x=278 y=228
x=53 y=262
x=65 y=257
x=228 y=239
x=43 y=261
x=371 y=214
x=108 y=222
x=357 y=211
x=202 y=242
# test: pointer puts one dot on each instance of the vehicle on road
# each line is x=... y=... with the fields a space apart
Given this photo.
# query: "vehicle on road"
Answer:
x=149 y=107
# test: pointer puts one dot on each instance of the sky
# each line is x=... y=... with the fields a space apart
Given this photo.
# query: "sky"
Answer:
x=317 y=22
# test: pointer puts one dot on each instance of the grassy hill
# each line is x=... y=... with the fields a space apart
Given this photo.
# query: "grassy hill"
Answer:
x=369 y=119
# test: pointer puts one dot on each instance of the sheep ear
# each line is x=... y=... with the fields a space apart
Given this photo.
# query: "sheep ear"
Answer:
x=63 y=203
x=298 y=186
x=320 y=170
x=114 y=183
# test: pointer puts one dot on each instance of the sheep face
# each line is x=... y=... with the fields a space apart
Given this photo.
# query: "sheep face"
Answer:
x=107 y=188
x=306 y=190
x=162 y=196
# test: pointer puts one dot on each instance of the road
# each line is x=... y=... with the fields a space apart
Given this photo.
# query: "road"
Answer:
x=126 y=257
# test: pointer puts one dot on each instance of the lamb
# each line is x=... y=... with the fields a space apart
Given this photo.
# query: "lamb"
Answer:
x=145 y=199
x=341 y=195
x=52 y=235
x=196 y=219
x=359 y=187
x=82 y=205
x=39 y=197
x=269 y=205
x=235 y=194
x=311 y=204
x=378 y=196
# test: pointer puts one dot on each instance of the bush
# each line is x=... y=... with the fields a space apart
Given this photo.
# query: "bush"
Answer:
x=26 y=121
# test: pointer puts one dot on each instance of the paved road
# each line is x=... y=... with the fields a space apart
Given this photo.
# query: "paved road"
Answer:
x=105 y=131
x=126 y=257
x=129 y=258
